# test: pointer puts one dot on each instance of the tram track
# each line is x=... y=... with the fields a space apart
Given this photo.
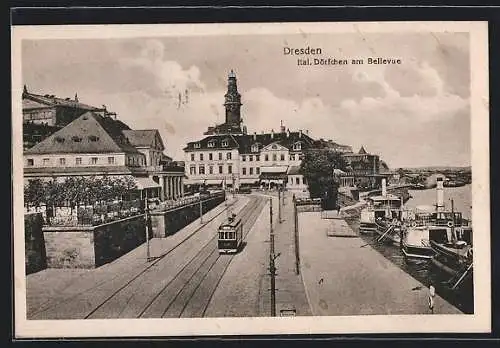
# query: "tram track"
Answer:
x=189 y=293
x=119 y=277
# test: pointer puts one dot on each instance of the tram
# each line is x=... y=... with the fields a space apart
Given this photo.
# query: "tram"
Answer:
x=230 y=235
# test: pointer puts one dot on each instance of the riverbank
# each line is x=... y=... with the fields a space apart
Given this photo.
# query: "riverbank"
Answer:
x=345 y=276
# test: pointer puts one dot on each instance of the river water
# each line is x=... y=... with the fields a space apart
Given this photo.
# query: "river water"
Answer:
x=462 y=199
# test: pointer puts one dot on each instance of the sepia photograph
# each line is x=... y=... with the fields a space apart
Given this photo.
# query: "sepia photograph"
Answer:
x=252 y=178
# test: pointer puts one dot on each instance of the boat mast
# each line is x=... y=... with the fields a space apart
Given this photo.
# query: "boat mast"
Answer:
x=454 y=239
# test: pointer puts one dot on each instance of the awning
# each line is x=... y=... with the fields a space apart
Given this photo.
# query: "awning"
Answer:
x=272 y=176
x=145 y=183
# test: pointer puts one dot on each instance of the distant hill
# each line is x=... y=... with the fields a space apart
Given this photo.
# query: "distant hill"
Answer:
x=437 y=169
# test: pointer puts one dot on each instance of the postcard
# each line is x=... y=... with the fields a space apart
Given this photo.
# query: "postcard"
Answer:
x=251 y=179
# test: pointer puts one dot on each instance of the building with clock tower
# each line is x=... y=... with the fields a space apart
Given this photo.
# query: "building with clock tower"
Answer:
x=232 y=104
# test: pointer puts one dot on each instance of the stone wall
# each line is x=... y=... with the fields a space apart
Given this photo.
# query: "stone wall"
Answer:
x=69 y=247
x=92 y=246
x=117 y=238
x=168 y=222
x=34 y=244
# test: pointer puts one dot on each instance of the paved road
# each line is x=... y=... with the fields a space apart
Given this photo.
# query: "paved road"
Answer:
x=125 y=287
x=344 y=276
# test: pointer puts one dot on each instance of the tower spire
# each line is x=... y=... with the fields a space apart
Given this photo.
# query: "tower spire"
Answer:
x=232 y=102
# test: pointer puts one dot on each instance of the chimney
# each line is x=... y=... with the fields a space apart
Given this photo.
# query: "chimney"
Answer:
x=254 y=136
x=288 y=133
x=384 y=187
x=272 y=133
x=282 y=127
x=300 y=133
x=76 y=97
x=307 y=131
x=439 y=194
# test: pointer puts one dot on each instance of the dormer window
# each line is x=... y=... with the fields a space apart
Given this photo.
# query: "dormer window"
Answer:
x=297 y=146
x=211 y=143
x=224 y=143
x=197 y=145
x=255 y=148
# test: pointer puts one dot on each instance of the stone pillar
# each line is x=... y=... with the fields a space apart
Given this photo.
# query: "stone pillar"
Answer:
x=182 y=185
x=167 y=189
x=162 y=188
x=174 y=181
x=169 y=180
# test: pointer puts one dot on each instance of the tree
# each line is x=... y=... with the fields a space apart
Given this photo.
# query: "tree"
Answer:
x=317 y=168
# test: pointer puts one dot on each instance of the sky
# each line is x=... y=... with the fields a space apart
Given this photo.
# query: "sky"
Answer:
x=413 y=114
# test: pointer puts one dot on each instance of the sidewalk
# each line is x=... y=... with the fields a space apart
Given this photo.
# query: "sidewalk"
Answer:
x=290 y=291
x=51 y=286
x=343 y=276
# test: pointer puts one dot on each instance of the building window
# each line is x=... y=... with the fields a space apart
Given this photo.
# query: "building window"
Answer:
x=224 y=143
x=31 y=162
x=275 y=158
x=201 y=170
x=243 y=158
x=292 y=157
x=220 y=169
x=250 y=158
x=192 y=157
x=211 y=144
x=93 y=160
x=220 y=156
x=197 y=145
x=62 y=161
x=228 y=155
x=201 y=157
x=46 y=161
x=78 y=161
x=266 y=158
x=282 y=157
x=244 y=171
x=297 y=146
x=230 y=169
x=111 y=160
x=257 y=170
x=255 y=148
x=211 y=169
x=210 y=157
x=297 y=181
x=251 y=171
x=257 y=158
x=192 y=170
x=303 y=180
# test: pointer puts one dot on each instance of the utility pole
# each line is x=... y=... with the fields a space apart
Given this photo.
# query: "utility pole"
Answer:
x=296 y=237
x=272 y=257
x=279 y=205
x=146 y=215
x=201 y=212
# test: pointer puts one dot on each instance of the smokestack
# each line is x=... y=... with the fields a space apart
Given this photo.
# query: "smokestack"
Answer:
x=254 y=136
x=439 y=194
x=272 y=133
x=384 y=187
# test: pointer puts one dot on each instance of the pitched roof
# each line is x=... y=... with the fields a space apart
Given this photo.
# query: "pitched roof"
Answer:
x=216 y=140
x=244 y=142
x=89 y=133
x=144 y=137
x=32 y=100
x=362 y=151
